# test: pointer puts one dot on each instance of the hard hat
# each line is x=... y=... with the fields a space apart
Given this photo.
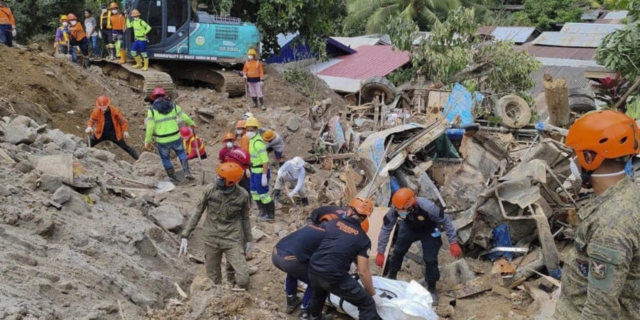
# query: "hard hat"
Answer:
x=228 y=136
x=247 y=115
x=252 y=52
x=609 y=134
x=252 y=122
x=404 y=199
x=103 y=101
x=63 y=17
x=297 y=162
x=363 y=207
x=158 y=91
x=185 y=132
x=240 y=124
x=113 y=5
x=231 y=172
x=135 y=13
x=365 y=225
x=239 y=156
x=72 y=17
x=268 y=135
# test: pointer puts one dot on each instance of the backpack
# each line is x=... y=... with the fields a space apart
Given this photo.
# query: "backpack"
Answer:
x=163 y=105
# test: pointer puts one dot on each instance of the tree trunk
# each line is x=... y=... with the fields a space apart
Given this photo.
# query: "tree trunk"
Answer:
x=556 y=95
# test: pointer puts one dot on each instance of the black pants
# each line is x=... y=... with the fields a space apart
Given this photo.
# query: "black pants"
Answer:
x=430 y=247
x=345 y=287
x=244 y=183
x=121 y=143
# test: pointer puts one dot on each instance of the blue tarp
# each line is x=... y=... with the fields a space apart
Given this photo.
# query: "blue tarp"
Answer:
x=460 y=103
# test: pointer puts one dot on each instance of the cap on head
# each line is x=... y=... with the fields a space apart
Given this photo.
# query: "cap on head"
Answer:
x=72 y=17
x=252 y=122
x=404 y=199
x=103 y=101
x=135 y=13
x=252 y=52
x=268 y=135
x=63 y=18
x=231 y=172
x=297 y=162
x=103 y=6
x=605 y=134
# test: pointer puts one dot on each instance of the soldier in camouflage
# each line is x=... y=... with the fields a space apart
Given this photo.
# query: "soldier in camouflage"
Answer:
x=226 y=227
x=601 y=276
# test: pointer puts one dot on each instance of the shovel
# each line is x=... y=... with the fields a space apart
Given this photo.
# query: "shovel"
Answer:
x=170 y=235
x=160 y=187
x=195 y=137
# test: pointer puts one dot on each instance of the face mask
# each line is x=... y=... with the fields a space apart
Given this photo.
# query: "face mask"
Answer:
x=403 y=214
x=64 y=24
x=73 y=23
x=114 y=11
x=220 y=183
x=136 y=18
x=104 y=10
x=251 y=57
x=104 y=109
x=229 y=144
x=574 y=168
x=251 y=134
x=238 y=131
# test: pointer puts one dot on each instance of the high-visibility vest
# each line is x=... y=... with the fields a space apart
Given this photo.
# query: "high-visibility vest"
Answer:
x=258 y=153
x=140 y=28
x=105 y=17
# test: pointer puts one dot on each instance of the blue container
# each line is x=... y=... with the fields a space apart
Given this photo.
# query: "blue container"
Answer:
x=455 y=134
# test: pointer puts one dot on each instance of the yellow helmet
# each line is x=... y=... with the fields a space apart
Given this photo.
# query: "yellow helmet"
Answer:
x=253 y=52
x=63 y=17
x=268 y=135
x=252 y=122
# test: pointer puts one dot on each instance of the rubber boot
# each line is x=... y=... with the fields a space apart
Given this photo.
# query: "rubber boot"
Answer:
x=260 y=208
x=262 y=104
x=323 y=316
x=123 y=56
x=112 y=53
x=305 y=201
x=276 y=195
x=138 y=60
x=171 y=173
x=304 y=314
x=146 y=64
x=269 y=212
x=292 y=303
x=393 y=274
x=255 y=102
x=185 y=169
x=431 y=287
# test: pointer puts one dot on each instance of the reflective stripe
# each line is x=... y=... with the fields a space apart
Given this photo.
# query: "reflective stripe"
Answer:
x=262 y=150
x=166 y=119
x=179 y=113
x=150 y=118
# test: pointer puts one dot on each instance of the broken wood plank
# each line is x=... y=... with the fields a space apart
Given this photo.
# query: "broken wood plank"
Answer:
x=206 y=112
x=556 y=96
x=203 y=119
x=51 y=203
x=478 y=285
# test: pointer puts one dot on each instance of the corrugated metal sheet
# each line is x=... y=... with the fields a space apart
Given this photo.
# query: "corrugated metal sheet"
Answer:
x=558 y=62
x=340 y=84
x=421 y=35
x=616 y=15
x=355 y=42
x=561 y=39
x=486 y=30
x=515 y=34
x=369 y=61
x=590 y=28
x=562 y=52
x=590 y=15
x=318 y=67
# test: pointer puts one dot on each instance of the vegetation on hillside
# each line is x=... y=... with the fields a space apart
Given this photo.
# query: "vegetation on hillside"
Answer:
x=541 y=13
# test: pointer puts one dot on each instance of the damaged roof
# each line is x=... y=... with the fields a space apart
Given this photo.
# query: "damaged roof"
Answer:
x=562 y=39
x=516 y=34
x=355 y=42
x=562 y=52
x=590 y=28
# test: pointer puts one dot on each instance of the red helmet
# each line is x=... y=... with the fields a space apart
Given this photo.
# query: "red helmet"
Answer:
x=185 y=132
x=239 y=156
x=157 y=92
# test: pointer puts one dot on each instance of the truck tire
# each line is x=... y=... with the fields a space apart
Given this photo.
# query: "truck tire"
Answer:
x=377 y=85
x=513 y=110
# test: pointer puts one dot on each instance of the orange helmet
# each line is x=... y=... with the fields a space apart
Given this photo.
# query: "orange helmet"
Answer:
x=103 y=101
x=268 y=135
x=240 y=124
x=609 y=134
x=135 y=13
x=404 y=199
x=365 y=225
x=328 y=217
x=228 y=136
x=72 y=17
x=363 y=207
x=113 y=5
x=231 y=172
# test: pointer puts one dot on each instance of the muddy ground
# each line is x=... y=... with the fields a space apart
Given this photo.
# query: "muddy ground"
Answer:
x=106 y=253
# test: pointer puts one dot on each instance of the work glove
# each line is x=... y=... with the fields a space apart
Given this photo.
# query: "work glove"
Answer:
x=147 y=146
x=14 y=33
x=88 y=130
x=377 y=300
x=249 y=248
x=264 y=180
x=126 y=135
x=183 y=247
x=380 y=259
x=247 y=173
x=261 y=83
x=353 y=268
x=244 y=77
x=99 y=35
x=455 y=250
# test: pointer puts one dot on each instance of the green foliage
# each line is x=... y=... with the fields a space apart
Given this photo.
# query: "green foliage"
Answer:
x=302 y=81
x=454 y=53
x=620 y=51
x=541 y=13
x=40 y=17
x=633 y=108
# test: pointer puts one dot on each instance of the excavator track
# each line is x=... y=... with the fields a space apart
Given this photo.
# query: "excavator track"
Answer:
x=141 y=81
x=221 y=79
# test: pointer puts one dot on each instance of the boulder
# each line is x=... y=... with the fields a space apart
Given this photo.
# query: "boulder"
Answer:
x=80 y=153
x=19 y=134
x=62 y=195
x=24 y=166
x=50 y=183
x=293 y=124
x=101 y=155
x=45 y=227
x=169 y=217
x=23 y=121
x=77 y=204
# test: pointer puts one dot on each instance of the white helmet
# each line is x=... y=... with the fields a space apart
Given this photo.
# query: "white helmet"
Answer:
x=297 y=163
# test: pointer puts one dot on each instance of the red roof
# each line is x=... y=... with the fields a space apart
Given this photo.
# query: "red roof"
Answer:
x=369 y=61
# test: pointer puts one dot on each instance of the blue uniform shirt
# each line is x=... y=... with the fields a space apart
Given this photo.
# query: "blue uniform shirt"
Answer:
x=302 y=242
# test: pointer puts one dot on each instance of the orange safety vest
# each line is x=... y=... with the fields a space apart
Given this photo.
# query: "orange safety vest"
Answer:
x=118 y=22
x=77 y=32
x=244 y=142
x=6 y=16
x=253 y=69
x=189 y=145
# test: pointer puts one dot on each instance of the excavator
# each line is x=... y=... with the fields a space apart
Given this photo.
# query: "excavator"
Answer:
x=187 y=44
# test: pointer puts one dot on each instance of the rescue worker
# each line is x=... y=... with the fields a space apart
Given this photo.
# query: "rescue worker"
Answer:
x=254 y=76
x=106 y=31
x=7 y=25
x=275 y=144
x=77 y=37
x=327 y=213
x=420 y=219
x=226 y=226
x=241 y=157
x=192 y=144
x=162 y=124
x=91 y=26
x=260 y=172
x=110 y=125
x=227 y=140
x=601 y=275
x=140 y=31
x=344 y=241
x=62 y=37
x=118 y=27
x=292 y=173
x=241 y=134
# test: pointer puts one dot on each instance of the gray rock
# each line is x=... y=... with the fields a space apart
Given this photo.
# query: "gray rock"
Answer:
x=94 y=198
x=26 y=215
x=23 y=121
x=20 y=134
x=80 y=153
x=41 y=140
x=109 y=308
x=50 y=183
x=10 y=219
x=101 y=154
x=24 y=167
x=77 y=205
x=24 y=259
x=169 y=217
x=293 y=124
x=66 y=144
x=62 y=195
x=45 y=227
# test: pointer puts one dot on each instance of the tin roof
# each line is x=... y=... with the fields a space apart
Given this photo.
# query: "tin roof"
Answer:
x=616 y=15
x=562 y=39
x=369 y=61
x=590 y=28
x=355 y=42
x=590 y=15
x=562 y=52
x=516 y=34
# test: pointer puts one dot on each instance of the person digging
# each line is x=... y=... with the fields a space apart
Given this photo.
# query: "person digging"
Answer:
x=108 y=124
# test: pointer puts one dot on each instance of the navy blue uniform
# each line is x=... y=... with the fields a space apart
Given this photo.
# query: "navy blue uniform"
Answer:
x=326 y=213
x=344 y=241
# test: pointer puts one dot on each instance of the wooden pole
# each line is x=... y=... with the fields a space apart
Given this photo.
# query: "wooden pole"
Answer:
x=556 y=95
x=627 y=94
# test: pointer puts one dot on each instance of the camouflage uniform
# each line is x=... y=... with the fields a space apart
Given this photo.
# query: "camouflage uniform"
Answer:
x=601 y=277
x=225 y=230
